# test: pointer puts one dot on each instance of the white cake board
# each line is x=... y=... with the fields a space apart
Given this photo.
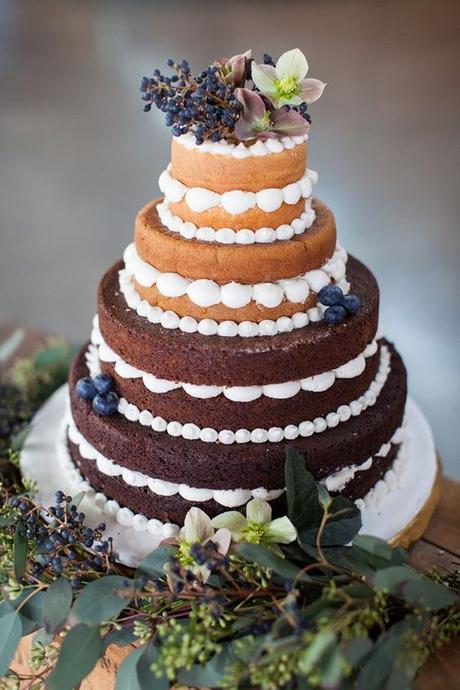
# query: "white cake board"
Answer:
x=45 y=461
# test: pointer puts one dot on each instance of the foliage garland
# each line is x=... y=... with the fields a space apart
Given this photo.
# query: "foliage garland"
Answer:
x=336 y=610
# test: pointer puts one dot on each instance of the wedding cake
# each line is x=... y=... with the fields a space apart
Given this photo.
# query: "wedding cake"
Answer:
x=236 y=326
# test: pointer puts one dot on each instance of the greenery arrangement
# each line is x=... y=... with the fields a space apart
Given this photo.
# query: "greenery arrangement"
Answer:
x=236 y=608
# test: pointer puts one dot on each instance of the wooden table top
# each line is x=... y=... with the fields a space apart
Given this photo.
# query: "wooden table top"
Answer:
x=439 y=546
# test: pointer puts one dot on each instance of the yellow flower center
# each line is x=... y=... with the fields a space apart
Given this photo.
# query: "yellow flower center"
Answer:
x=264 y=123
x=287 y=87
x=254 y=532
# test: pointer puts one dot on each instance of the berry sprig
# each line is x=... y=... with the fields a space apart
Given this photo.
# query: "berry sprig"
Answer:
x=205 y=104
x=99 y=391
x=339 y=306
x=62 y=541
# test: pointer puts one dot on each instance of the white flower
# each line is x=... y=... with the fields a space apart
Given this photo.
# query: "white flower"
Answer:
x=285 y=84
x=257 y=527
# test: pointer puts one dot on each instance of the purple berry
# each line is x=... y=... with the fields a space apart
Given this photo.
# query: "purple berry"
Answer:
x=103 y=383
x=335 y=314
x=352 y=303
x=105 y=404
x=330 y=295
x=85 y=388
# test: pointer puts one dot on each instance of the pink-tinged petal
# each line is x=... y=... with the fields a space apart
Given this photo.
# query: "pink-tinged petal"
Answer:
x=246 y=55
x=238 y=70
x=293 y=63
x=169 y=540
x=264 y=77
x=311 y=90
x=244 y=129
x=253 y=105
x=289 y=122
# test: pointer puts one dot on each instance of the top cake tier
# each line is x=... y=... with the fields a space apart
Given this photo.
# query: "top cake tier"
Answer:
x=223 y=186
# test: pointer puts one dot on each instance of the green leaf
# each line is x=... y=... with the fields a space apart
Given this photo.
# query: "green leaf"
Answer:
x=17 y=440
x=11 y=344
x=301 y=493
x=146 y=678
x=212 y=674
x=357 y=649
x=411 y=586
x=20 y=551
x=57 y=603
x=127 y=673
x=10 y=636
x=80 y=651
x=343 y=524
x=78 y=498
x=32 y=611
x=7 y=520
x=103 y=599
x=331 y=668
x=259 y=554
x=377 y=552
x=120 y=638
x=318 y=647
x=152 y=565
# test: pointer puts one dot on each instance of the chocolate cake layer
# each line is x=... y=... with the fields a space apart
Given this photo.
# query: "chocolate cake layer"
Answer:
x=174 y=508
x=221 y=413
x=217 y=466
x=237 y=361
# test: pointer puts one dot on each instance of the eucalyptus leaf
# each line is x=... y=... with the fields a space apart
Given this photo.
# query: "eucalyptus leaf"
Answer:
x=10 y=636
x=11 y=344
x=303 y=506
x=315 y=650
x=103 y=599
x=120 y=638
x=145 y=677
x=212 y=673
x=78 y=498
x=32 y=612
x=377 y=552
x=152 y=565
x=20 y=550
x=356 y=650
x=18 y=439
x=57 y=603
x=80 y=651
x=330 y=669
x=127 y=675
x=411 y=586
x=259 y=554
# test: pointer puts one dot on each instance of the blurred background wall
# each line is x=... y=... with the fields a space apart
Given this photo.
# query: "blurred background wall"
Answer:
x=78 y=157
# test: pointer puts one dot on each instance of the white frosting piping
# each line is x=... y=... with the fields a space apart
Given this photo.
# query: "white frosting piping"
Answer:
x=240 y=394
x=392 y=477
x=206 y=293
x=228 y=329
x=338 y=481
x=225 y=148
x=230 y=498
x=191 y=431
x=236 y=201
x=190 y=231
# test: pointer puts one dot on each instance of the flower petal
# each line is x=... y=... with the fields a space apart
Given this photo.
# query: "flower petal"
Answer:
x=232 y=520
x=293 y=63
x=289 y=122
x=222 y=540
x=258 y=511
x=253 y=104
x=281 y=531
x=264 y=77
x=197 y=527
x=311 y=90
x=244 y=129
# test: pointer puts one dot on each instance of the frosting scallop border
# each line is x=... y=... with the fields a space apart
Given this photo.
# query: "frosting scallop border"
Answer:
x=245 y=236
x=226 y=148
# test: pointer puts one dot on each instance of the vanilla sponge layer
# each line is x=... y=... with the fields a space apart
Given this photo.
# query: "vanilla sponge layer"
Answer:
x=254 y=263
x=221 y=173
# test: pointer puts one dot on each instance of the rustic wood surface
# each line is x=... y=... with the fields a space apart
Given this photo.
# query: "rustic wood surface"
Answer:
x=439 y=546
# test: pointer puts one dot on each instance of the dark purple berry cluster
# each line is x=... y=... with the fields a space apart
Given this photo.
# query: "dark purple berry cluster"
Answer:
x=98 y=390
x=205 y=104
x=339 y=306
x=65 y=543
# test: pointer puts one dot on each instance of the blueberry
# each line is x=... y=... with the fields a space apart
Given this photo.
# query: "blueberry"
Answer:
x=330 y=295
x=335 y=314
x=105 y=404
x=352 y=303
x=103 y=383
x=85 y=388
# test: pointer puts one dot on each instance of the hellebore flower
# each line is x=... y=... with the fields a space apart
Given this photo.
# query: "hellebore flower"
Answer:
x=262 y=122
x=257 y=527
x=234 y=68
x=285 y=84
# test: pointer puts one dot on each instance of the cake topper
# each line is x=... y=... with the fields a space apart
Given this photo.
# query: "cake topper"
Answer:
x=235 y=98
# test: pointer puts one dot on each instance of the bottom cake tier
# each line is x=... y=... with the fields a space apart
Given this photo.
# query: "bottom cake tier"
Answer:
x=161 y=477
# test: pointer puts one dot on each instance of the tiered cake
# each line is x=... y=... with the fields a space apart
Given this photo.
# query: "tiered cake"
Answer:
x=226 y=346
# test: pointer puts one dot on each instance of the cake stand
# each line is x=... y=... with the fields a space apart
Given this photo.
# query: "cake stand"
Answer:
x=400 y=516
